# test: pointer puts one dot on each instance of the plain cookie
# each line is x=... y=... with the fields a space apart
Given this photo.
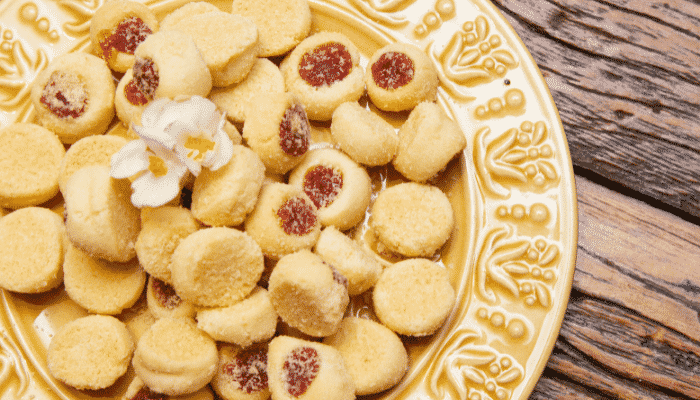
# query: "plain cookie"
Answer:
x=363 y=135
x=90 y=150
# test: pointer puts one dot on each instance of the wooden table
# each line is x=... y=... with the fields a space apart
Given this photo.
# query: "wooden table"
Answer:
x=625 y=76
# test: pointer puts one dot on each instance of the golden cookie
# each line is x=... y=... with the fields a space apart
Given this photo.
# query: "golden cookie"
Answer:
x=363 y=135
x=137 y=390
x=242 y=373
x=90 y=150
x=164 y=302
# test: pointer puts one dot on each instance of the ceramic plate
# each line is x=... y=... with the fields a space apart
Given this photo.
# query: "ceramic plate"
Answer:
x=511 y=258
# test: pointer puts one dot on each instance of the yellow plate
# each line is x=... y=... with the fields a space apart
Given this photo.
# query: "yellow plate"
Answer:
x=513 y=253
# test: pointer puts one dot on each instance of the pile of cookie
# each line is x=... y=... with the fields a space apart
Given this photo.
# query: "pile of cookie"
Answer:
x=240 y=241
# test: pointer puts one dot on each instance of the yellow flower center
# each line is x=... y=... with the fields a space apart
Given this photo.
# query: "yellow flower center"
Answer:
x=157 y=166
x=198 y=147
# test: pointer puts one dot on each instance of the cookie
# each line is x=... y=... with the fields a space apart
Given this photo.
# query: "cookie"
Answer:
x=90 y=150
x=301 y=369
x=175 y=358
x=30 y=156
x=428 y=140
x=251 y=320
x=413 y=297
x=129 y=101
x=163 y=301
x=74 y=96
x=117 y=28
x=226 y=196
x=90 y=352
x=363 y=135
x=374 y=355
x=216 y=267
x=400 y=76
x=137 y=390
x=242 y=373
x=308 y=294
x=324 y=71
x=338 y=187
x=359 y=267
x=33 y=247
x=100 y=286
x=283 y=221
x=412 y=219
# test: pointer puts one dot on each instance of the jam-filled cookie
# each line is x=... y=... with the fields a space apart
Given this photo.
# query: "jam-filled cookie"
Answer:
x=242 y=373
x=117 y=29
x=363 y=135
x=305 y=370
x=129 y=101
x=90 y=150
x=33 y=247
x=137 y=390
x=163 y=301
x=90 y=352
x=74 y=96
x=324 y=71
x=216 y=267
x=281 y=24
x=428 y=140
x=308 y=294
x=338 y=186
x=100 y=286
x=278 y=130
x=412 y=219
x=413 y=297
x=284 y=220
x=30 y=156
x=374 y=355
x=264 y=78
x=400 y=76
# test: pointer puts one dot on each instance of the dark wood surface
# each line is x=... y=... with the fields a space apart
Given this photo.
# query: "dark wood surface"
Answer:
x=625 y=76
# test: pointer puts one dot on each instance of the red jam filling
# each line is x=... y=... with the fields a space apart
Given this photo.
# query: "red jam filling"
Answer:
x=249 y=370
x=146 y=77
x=165 y=294
x=300 y=369
x=297 y=217
x=295 y=131
x=147 y=394
x=392 y=70
x=338 y=277
x=126 y=37
x=325 y=65
x=65 y=95
x=322 y=185
x=134 y=95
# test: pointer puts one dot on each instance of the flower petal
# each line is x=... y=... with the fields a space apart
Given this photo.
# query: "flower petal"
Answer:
x=149 y=191
x=129 y=160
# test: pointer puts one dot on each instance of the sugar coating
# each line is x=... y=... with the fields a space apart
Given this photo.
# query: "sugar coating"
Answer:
x=413 y=297
x=163 y=302
x=428 y=140
x=308 y=294
x=30 y=156
x=100 y=286
x=90 y=352
x=216 y=267
x=90 y=150
x=363 y=135
x=374 y=355
x=33 y=246
x=242 y=373
x=186 y=11
x=80 y=74
x=412 y=219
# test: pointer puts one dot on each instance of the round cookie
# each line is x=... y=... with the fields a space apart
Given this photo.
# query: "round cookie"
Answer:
x=164 y=302
x=100 y=218
x=162 y=229
x=74 y=96
x=374 y=355
x=359 y=267
x=90 y=150
x=308 y=294
x=306 y=370
x=100 y=286
x=412 y=219
x=337 y=186
x=226 y=196
x=413 y=297
x=90 y=352
x=117 y=28
x=216 y=267
x=278 y=130
x=129 y=101
x=281 y=24
x=33 y=247
x=169 y=64
x=363 y=135
x=137 y=390
x=400 y=76
x=30 y=156
x=175 y=358
x=251 y=320
x=283 y=221
x=242 y=373
x=324 y=71
x=428 y=140
x=186 y=11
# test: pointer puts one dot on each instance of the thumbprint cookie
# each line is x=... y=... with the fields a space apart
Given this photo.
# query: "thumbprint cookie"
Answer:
x=163 y=302
x=129 y=101
x=363 y=135
x=242 y=373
